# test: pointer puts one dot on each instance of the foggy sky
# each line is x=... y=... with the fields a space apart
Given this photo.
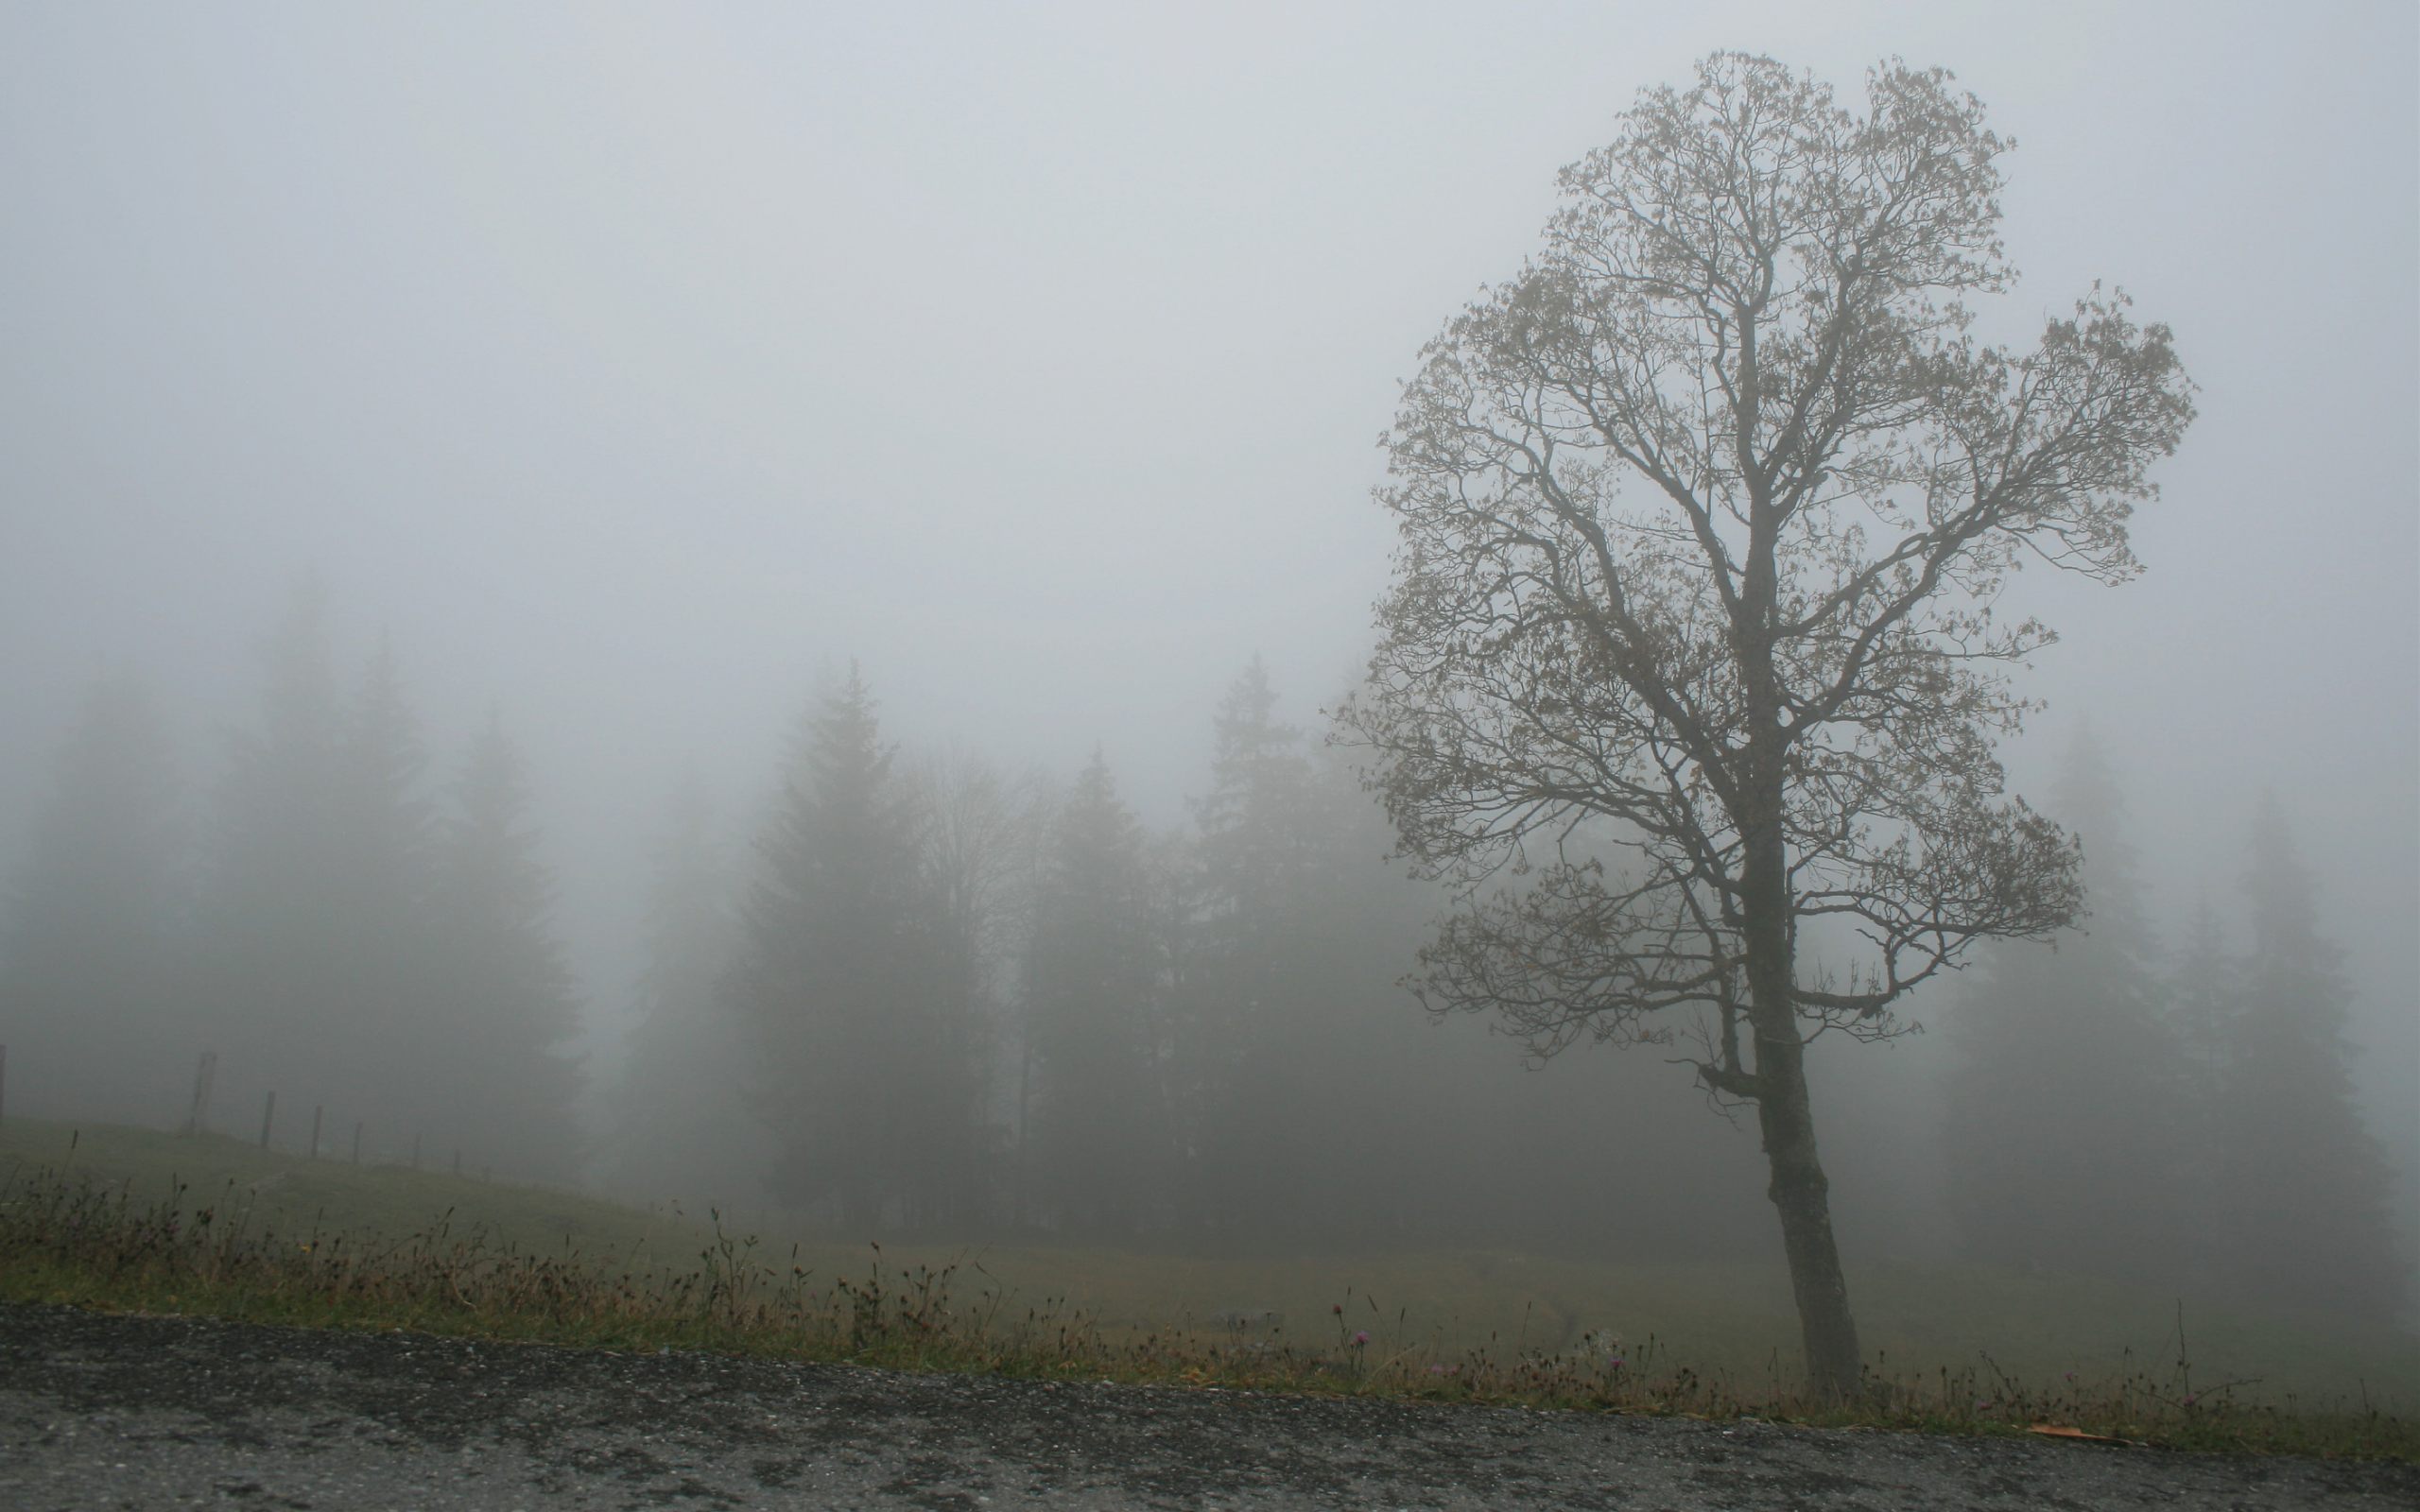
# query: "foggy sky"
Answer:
x=632 y=365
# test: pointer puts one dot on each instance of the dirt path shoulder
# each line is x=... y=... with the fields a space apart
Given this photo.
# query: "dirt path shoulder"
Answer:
x=105 y=1412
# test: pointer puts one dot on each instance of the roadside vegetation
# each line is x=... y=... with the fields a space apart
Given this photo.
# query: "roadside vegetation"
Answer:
x=123 y=1220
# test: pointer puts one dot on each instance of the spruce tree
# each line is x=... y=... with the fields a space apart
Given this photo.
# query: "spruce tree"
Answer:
x=93 y=1006
x=2067 y=1105
x=377 y=1069
x=1248 y=1012
x=2303 y=1186
x=850 y=980
x=379 y=811
x=506 y=1004
x=273 y=955
x=979 y=844
x=1095 y=1141
x=316 y=951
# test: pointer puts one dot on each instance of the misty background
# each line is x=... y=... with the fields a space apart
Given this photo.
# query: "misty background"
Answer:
x=630 y=373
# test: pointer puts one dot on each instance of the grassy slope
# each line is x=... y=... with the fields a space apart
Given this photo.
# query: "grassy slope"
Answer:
x=1727 y=1322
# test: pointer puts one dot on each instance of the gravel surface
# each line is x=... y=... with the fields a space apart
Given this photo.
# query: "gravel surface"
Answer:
x=111 y=1412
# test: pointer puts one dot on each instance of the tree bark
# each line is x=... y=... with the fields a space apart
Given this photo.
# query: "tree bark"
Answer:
x=1801 y=1193
x=1798 y=1190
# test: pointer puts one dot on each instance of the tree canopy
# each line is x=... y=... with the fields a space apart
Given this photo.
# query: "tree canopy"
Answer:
x=1695 y=641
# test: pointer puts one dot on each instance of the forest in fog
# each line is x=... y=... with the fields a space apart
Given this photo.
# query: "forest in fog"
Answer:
x=896 y=990
x=1276 y=633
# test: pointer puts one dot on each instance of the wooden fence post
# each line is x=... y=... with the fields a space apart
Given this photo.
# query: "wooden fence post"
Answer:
x=198 y=1115
x=316 y=1113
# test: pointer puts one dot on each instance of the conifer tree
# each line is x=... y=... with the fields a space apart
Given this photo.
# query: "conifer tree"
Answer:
x=2204 y=999
x=849 y=981
x=316 y=945
x=92 y=1006
x=272 y=958
x=2304 y=1187
x=980 y=846
x=375 y=1066
x=2065 y=1140
x=1253 y=1000
x=278 y=799
x=506 y=1004
x=379 y=812
x=1096 y=1142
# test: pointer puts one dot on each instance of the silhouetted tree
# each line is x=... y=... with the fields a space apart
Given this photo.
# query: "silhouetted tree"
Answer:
x=2302 y=1209
x=1096 y=1144
x=315 y=949
x=374 y=1062
x=1243 y=1089
x=2069 y=1106
x=505 y=1003
x=274 y=960
x=92 y=1003
x=2204 y=999
x=1703 y=517
x=981 y=844
x=852 y=987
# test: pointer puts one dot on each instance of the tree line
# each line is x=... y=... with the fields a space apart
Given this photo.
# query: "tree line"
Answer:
x=2174 y=1116
x=926 y=995
x=929 y=995
x=344 y=926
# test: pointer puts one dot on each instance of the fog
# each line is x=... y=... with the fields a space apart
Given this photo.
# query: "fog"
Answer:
x=630 y=373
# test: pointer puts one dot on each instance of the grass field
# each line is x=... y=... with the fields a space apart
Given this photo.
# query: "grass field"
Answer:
x=1952 y=1345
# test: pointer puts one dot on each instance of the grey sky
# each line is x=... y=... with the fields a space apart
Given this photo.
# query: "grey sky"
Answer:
x=629 y=363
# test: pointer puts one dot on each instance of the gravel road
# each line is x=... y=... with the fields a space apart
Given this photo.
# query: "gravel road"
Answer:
x=106 y=1412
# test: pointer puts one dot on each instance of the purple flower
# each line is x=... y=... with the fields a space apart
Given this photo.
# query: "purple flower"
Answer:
x=1360 y=1339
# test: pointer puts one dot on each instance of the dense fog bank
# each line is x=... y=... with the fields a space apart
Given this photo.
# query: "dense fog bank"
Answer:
x=898 y=991
x=746 y=605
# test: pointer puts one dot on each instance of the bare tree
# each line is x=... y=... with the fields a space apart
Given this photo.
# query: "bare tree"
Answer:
x=1693 y=639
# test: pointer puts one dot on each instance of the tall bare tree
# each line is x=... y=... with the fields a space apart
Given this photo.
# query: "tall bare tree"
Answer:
x=1693 y=644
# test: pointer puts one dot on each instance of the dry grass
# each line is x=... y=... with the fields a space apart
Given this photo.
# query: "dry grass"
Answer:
x=243 y=1248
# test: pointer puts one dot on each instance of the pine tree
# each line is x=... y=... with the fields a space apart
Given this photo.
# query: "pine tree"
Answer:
x=2302 y=1184
x=91 y=1001
x=979 y=844
x=1248 y=1015
x=2205 y=997
x=379 y=814
x=850 y=980
x=376 y=1067
x=316 y=948
x=2065 y=1141
x=506 y=1002
x=1096 y=1142
x=273 y=954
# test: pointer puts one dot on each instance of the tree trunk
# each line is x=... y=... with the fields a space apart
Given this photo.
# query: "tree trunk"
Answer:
x=1798 y=1187
x=1802 y=1193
